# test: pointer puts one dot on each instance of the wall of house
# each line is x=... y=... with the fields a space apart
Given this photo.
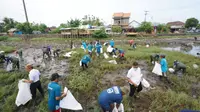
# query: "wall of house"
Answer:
x=122 y=21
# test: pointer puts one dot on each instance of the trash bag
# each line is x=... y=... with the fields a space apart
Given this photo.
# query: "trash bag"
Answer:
x=105 y=56
x=9 y=67
x=114 y=56
x=24 y=93
x=80 y=63
x=145 y=83
x=69 y=102
x=112 y=62
x=109 y=49
x=101 y=50
x=157 y=69
x=120 y=109
x=171 y=70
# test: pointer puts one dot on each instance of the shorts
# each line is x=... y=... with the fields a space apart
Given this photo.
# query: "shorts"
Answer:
x=122 y=54
x=59 y=110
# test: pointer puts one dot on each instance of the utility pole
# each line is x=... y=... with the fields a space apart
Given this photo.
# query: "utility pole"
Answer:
x=146 y=12
x=25 y=11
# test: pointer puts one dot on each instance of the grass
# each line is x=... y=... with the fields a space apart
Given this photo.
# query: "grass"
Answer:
x=7 y=49
x=86 y=85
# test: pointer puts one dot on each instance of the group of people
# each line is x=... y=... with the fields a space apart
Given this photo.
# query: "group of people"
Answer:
x=47 y=52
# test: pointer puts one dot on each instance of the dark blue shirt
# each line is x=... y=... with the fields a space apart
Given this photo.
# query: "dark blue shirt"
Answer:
x=54 y=91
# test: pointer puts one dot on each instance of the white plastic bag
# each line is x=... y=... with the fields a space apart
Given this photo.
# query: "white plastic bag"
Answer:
x=101 y=50
x=114 y=56
x=120 y=109
x=112 y=62
x=80 y=63
x=145 y=83
x=171 y=70
x=105 y=56
x=9 y=67
x=109 y=49
x=24 y=93
x=157 y=69
x=69 y=102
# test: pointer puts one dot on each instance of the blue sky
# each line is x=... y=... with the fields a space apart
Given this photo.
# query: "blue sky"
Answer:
x=54 y=12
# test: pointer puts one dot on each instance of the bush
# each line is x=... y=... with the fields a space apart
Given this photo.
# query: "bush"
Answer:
x=2 y=38
x=100 y=34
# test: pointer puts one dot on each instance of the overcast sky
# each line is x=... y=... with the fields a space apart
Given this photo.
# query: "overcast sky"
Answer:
x=54 y=12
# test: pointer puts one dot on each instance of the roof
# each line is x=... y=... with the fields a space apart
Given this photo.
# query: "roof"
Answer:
x=122 y=15
x=176 y=23
x=12 y=30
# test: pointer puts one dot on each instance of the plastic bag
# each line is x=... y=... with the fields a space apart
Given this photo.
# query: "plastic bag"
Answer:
x=24 y=93
x=109 y=49
x=120 y=109
x=112 y=62
x=171 y=70
x=69 y=102
x=80 y=63
x=101 y=50
x=145 y=83
x=157 y=69
x=9 y=67
x=106 y=56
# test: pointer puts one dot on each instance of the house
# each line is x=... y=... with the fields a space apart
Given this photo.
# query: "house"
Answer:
x=121 y=19
x=14 y=31
x=176 y=26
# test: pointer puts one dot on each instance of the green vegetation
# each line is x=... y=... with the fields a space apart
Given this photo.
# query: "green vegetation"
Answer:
x=3 y=38
x=145 y=27
x=162 y=28
x=7 y=49
x=100 y=34
x=117 y=29
x=191 y=22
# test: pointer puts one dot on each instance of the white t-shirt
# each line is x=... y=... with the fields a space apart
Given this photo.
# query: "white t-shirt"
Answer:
x=34 y=75
x=135 y=75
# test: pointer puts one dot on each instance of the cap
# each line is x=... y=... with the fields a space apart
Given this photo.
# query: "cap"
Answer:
x=54 y=76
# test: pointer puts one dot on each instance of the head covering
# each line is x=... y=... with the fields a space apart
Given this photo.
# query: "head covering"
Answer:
x=54 y=76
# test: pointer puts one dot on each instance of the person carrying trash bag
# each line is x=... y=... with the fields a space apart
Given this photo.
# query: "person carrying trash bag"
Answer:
x=90 y=49
x=164 y=67
x=134 y=78
x=179 y=67
x=98 y=49
x=112 y=95
x=55 y=94
x=34 y=80
x=85 y=60
x=154 y=58
x=13 y=60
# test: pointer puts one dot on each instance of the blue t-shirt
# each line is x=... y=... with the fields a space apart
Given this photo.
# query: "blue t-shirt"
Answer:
x=86 y=59
x=121 y=51
x=98 y=47
x=90 y=47
x=112 y=43
x=163 y=64
x=84 y=45
x=54 y=91
x=110 y=96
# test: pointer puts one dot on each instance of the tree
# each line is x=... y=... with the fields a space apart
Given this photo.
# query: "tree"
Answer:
x=99 y=33
x=8 y=23
x=91 y=20
x=146 y=27
x=26 y=28
x=73 y=23
x=198 y=27
x=191 y=22
x=162 y=28
x=117 y=29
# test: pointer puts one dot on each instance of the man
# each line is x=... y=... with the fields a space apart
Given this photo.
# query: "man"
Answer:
x=2 y=57
x=13 y=60
x=56 y=52
x=134 y=46
x=154 y=58
x=90 y=49
x=164 y=67
x=112 y=43
x=98 y=49
x=46 y=52
x=34 y=80
x=179 y=67
x=19 y=52
x=54 y=91
x=49 y=49
x=108 y=97
x=134 y=78
x=131 y=42
x=121 y=53
x=85 y=60
x=195 y=38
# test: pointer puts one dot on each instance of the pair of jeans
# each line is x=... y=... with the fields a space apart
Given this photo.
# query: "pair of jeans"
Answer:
x=34 y=86
x=133 y=89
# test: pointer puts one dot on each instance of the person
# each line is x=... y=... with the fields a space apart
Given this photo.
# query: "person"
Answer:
x=179 y=67
x=112 y=95
x=164 y=66
x=98 y=49
x=56 y=52
x=84 y=45
x=121 y=53
x=134 y=46
x=2 y=57
x=34 y=80
x=49 y=49
x=85 y=60
x=46 y=52
x=112 y=43
x=134 y=78
x=154 y=58
x=113 y=51
x=54 y=94
x=131 y=42
x=13 y=60
x=20 y=53
x=195 y=38
x=90 y=48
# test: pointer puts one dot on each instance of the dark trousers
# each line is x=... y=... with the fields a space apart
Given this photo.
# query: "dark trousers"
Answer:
x=133 y=88
x=34 y=86
x=16 y=65
x=56 y=54
x=84 y=65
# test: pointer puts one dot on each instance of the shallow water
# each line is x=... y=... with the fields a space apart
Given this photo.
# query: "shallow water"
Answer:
x=192 y=51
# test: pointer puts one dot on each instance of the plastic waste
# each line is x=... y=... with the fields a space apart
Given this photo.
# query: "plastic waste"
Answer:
x=105 y=56
x=145 y=83
x=120 y=109
x=24 y=93
x=109 y=49
x=114 y=56
x=80 y=63
x=157 y=69
x=195 y=66
x=112 y=61
x=101 y=50
x=68 y=54
x=69 y=102
x=171 y=70
x=9 y=67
